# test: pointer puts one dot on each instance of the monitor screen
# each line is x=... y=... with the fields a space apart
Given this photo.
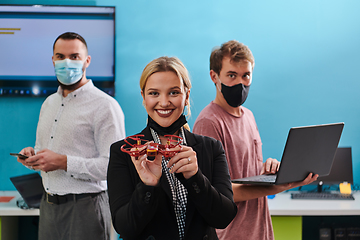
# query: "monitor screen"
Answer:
x=341 y=170
x=27 y=34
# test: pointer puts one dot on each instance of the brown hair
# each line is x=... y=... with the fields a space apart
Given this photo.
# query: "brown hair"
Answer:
x=70 y=36
x=233 y=49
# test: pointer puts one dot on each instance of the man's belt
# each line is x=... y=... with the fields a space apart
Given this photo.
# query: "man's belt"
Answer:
x=60 y=199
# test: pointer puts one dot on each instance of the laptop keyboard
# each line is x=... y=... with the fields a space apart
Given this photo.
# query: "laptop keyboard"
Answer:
x=266 y=178
x=322 y=196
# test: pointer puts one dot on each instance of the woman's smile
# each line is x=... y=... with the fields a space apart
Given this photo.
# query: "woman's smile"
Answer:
x=164 y=113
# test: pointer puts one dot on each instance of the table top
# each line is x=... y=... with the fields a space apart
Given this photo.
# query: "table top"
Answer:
x=283 y=205
x=11 y=209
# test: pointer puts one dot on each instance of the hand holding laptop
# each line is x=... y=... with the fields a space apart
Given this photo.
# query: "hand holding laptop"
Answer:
x=312 y=177
x=271 y=166
x=308 y=149
x=249 y=191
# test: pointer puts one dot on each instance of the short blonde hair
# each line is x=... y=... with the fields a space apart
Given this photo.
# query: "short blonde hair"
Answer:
x=165 y=64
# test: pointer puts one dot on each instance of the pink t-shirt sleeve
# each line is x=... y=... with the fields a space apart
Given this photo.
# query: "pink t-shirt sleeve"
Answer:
x=206 y=127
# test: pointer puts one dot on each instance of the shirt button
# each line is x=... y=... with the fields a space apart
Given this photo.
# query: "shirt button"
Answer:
x=62 y=105
x=51 y=137
x=55 y=120
x=196 y=187
x=147 y=197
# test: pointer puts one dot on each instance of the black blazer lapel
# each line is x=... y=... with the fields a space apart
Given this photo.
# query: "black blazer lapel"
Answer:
x=198 y=148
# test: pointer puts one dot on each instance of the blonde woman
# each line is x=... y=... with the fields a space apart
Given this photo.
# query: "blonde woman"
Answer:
x=186 y=197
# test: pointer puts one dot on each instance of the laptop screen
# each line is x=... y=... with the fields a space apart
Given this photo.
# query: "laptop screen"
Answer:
x=30 y=188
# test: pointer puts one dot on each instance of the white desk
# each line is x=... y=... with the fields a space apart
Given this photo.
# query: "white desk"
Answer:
x=283 y=205
x=10 y=208
x=9 y=214
x=287 y=213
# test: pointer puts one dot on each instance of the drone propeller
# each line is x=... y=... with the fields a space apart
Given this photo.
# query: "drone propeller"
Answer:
x=137 y=149
x=142 y=146
x=170 y=139
x=169 y=149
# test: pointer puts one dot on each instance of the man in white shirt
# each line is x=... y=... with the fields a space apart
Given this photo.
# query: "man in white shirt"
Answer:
x=76 y=127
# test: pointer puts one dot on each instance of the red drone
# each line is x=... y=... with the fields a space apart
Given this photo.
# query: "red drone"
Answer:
x=152 y=149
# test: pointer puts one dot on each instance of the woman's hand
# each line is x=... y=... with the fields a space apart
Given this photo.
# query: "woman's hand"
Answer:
x=184 y=162
x=149 y=171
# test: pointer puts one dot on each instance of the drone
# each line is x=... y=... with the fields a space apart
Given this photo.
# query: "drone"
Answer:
x=141 y=146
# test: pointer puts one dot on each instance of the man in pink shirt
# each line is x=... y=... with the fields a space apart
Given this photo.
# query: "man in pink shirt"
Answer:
x=231 y=68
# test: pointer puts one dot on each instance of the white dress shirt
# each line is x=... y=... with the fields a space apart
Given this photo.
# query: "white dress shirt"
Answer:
x=82 y=126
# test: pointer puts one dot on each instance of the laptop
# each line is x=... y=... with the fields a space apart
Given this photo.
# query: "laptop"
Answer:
x=309 y=149
x=30 y=188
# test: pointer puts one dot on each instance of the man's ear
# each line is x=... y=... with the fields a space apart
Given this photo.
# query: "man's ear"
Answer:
x=213 y=76
x=88 y=60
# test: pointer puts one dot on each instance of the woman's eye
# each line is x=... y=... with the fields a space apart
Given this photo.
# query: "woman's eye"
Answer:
x=174 y=92
x=153 y=93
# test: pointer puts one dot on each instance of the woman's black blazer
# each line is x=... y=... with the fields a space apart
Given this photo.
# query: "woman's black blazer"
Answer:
x=146 y=212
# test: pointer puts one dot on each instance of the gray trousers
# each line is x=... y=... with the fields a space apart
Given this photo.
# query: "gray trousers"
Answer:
x=85 y=219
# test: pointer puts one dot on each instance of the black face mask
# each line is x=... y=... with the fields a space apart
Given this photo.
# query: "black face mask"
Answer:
x=235 y=95
x=167 y=130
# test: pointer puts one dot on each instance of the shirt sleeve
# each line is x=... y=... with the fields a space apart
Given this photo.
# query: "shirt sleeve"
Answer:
x=109 y=127
x=207 y=127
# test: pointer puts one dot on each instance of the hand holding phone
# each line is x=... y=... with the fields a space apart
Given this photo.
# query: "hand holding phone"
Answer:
x=21 y=156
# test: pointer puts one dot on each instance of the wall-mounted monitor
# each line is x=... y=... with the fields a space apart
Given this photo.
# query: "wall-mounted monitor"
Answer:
x=27 y=34
x=341 y=170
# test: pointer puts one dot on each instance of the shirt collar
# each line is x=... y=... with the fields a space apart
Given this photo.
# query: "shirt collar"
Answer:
x=86 y=87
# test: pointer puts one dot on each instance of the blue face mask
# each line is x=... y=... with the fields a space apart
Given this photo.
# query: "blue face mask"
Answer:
x=69 y=71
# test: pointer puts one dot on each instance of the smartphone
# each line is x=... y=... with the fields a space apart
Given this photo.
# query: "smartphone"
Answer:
x=21 y=156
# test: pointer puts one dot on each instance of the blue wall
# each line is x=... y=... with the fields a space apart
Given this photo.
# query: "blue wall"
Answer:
x=306 y=69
